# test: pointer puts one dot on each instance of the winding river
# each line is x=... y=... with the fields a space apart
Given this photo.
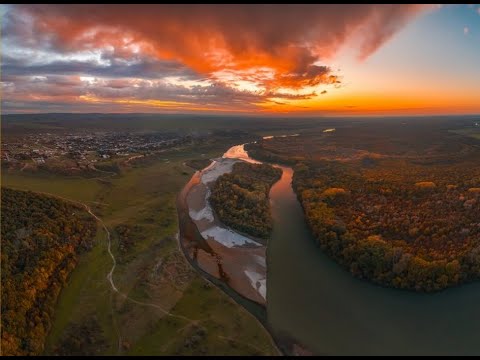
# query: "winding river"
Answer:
x=318 y=303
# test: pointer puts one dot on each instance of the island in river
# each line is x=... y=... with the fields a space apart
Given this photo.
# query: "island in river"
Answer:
x=235 y=258
x=240 y=198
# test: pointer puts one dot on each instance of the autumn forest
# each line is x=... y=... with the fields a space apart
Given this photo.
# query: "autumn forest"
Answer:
x=401 y=212
x=42 y=237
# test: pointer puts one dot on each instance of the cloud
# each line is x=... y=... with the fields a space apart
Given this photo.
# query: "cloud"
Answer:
x=323 y=92
x=244 y=53
x=68 y=87
x=287 y=38
x=141 y=68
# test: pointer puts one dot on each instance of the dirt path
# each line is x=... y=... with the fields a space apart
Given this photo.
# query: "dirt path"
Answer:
x=111 y=272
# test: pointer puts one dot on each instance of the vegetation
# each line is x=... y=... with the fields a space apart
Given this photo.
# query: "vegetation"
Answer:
x=240 y=198
x=127 y=236
x=408 y=235
x=41 y=239
x=224 y=328
x=85 y=339
x=402 y=213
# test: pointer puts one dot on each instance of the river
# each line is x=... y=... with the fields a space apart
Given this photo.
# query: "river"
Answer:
x=315 y=301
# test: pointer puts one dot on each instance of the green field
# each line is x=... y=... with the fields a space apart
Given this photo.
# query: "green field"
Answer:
x=152 y=272
x=222 y=329
x=75 y=188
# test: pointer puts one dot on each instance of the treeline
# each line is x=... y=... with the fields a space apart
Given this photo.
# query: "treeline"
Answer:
x=262 y=150
x=240 y=198
x=41 y=239
x=402 y=234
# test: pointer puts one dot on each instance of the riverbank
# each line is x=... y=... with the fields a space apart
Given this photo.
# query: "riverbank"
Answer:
x=238 y=259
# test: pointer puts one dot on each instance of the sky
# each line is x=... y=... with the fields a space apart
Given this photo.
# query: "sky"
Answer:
x=304 y=60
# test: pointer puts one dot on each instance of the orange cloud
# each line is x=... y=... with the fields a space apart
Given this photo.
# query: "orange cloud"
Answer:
x=288 y=39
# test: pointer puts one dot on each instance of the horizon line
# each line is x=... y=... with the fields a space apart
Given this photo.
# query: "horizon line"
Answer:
x=244 y=115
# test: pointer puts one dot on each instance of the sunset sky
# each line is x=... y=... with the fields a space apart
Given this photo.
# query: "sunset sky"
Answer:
x=241 y=59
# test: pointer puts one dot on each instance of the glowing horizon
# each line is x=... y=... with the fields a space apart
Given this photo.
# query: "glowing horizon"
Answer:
x=241 y=59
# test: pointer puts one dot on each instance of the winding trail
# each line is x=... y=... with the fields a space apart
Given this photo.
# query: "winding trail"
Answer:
x=110 y=274
x=114 y=260
x=166 y=312
x=114 y=264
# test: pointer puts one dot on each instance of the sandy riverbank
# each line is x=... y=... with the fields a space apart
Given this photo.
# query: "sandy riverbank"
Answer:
x=242 y=259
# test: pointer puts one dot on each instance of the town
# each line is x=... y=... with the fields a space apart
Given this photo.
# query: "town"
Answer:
x=84 y=149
